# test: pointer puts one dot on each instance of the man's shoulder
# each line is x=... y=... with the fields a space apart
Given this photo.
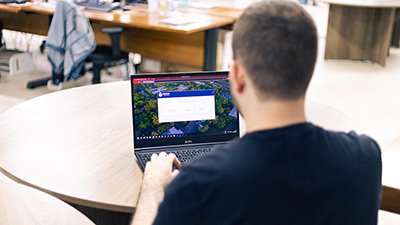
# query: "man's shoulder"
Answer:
x=299 y=137
x=267 y=147
x=351 y=140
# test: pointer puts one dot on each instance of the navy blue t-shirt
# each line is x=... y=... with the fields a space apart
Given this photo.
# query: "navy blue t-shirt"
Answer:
x=299 y=174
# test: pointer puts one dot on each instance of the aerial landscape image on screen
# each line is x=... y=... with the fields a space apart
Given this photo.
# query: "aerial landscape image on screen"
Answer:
x=220 y=113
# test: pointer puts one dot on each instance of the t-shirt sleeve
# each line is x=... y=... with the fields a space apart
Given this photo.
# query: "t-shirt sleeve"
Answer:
x=372 y=165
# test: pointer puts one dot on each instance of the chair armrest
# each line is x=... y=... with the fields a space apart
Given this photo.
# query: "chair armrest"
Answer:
x=112 y=30
x=115 y=33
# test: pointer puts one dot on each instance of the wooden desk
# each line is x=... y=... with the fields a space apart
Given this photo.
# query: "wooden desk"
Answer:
x=360 y=29
x=391 y=178
x=23 y=205
x=8 y=8
x=219 y=11
x=216 y=11
x=193 y=44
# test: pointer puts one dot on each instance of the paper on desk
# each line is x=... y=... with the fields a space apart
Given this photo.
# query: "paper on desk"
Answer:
x=176 y=20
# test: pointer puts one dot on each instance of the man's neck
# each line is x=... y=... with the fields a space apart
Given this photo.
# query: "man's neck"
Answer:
x=274 y=114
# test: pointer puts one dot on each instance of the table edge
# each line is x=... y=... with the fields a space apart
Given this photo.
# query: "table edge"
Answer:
x=70 y=199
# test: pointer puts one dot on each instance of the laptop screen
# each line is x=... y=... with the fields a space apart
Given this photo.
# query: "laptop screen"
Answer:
x=182 y=108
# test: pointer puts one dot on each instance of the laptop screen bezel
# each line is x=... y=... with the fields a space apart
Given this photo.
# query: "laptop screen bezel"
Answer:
x=186 y=140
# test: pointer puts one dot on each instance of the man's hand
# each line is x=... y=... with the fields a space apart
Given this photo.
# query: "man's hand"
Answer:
x=157 y=175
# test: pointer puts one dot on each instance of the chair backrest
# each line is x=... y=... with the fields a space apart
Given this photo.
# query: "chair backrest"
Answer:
x=70 y=39
x=115 y=33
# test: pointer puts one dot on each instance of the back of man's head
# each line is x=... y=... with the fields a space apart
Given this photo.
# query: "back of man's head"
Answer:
x=276 y=43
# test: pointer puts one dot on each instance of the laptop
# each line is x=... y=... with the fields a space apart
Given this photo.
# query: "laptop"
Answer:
x=188 y=114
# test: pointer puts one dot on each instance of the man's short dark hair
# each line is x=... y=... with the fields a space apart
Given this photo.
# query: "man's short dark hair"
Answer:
x=276 y=42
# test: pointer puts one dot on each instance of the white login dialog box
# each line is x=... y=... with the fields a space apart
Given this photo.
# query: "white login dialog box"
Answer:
x=178 y=106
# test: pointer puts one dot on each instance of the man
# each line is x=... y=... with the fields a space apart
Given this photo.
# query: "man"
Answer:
x=284 y=170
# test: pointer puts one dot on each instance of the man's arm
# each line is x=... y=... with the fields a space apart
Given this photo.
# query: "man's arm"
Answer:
x=157 y=175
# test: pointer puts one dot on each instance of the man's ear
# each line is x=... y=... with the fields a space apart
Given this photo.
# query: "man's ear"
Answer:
x=237 y=76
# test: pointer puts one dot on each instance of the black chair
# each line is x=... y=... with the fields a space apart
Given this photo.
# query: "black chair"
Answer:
x=1 y=39
x=1 y=34
x=108 y=56
x=103 y=57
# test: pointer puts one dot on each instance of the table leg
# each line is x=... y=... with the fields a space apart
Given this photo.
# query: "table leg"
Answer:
x=210 y=49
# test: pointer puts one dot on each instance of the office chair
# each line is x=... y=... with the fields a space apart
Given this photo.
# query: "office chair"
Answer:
x=108 y=56
x=102 y=57
x=1 y=39
x=1 y=34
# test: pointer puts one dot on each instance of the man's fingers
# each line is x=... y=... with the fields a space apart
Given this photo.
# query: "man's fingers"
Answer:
x=175 y=173
x=147 y=164
x=163 y=157
x=163 y=154
x=175 y=161
x=153 y=156
x=171 y=157
x=146 y=169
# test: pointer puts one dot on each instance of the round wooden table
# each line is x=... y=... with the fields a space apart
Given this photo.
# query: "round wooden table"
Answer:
x=23 y=205
x=391 y=177
x=77 y=144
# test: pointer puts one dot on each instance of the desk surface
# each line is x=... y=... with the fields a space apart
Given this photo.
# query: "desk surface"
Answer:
x=77 y=145
x=366 y=3
x=139 y=17
x=217 y=11
x=9 y=8
x=23 y=205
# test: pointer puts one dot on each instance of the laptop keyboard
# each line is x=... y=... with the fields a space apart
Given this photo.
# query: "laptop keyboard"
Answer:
x=184 y=156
